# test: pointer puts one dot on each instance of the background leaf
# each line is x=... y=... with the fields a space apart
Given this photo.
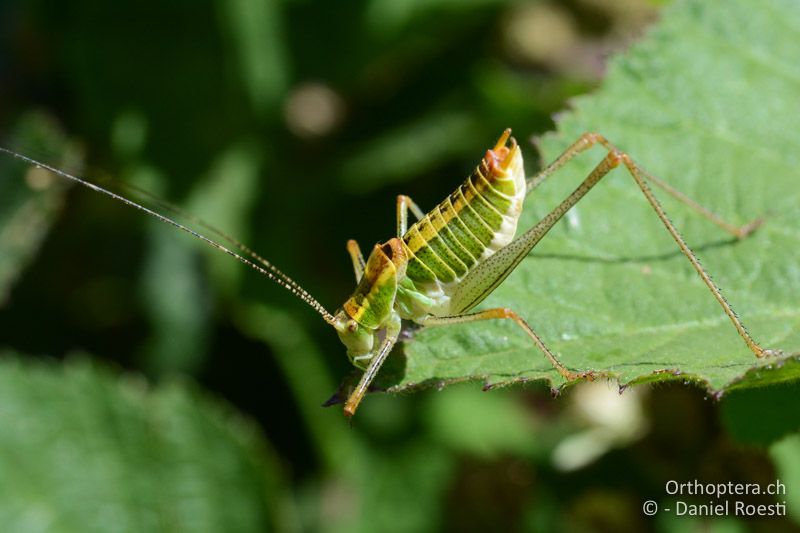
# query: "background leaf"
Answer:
x=786 y=454
x=30 y=198
x=760 y=415
x=83 y=450
x=608 y=289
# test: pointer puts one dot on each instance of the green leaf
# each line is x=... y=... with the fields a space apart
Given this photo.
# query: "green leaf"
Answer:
x=83 y=449
x=786 y=455
x=761 y=415
x=707 y=101
x=30 y=198
x=256 y=30
x=176 y=298
x=408 y=150
x=481 y=425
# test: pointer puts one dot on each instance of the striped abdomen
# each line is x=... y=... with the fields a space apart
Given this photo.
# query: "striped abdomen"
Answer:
x=475 y=221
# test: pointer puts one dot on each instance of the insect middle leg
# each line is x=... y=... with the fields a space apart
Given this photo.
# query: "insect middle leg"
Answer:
x=357 y=257
x=404 y=203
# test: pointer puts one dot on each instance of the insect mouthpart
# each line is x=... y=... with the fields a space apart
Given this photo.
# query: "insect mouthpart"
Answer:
x=358 y=340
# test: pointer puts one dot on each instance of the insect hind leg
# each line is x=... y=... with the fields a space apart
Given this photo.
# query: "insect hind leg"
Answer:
x=590 y=139
x=475 y=287
x=639 y=176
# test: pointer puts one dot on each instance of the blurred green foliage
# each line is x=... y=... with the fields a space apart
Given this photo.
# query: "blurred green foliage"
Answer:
x=292 y=126
x=85 y=451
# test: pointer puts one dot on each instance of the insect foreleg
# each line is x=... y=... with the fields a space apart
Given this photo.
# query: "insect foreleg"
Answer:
x=357 y=257
x=404 y=203
x=375 y=364
x=588 y=140
x=504 y=312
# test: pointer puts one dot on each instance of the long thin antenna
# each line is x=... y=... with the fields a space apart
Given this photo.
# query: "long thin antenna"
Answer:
x=266 y=268
x=175 y=210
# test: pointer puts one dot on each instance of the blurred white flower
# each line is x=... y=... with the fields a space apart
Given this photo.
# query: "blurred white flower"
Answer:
x=612 y=420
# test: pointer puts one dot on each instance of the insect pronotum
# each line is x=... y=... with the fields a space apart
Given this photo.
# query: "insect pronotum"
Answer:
x=437 y=270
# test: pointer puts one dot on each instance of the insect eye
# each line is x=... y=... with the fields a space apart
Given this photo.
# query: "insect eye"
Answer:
x=352 y=325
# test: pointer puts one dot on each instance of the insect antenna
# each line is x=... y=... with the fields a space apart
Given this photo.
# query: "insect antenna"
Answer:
x=261 y=265
x=194 y=219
